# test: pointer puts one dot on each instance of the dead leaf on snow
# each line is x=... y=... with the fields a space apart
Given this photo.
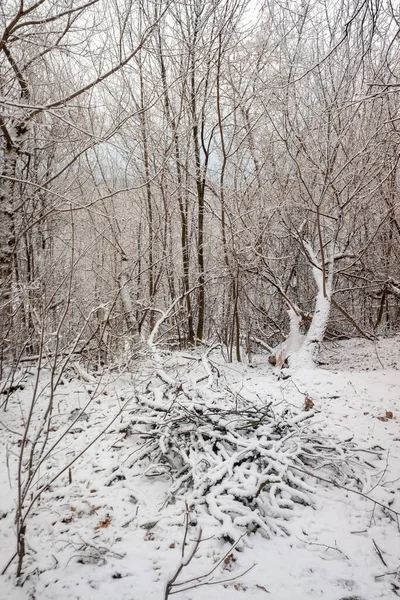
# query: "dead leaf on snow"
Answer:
x=67 y=520
x=261 y=587
x=388 y=415
x=103 y=524
x=308 y=403
x=239 y=586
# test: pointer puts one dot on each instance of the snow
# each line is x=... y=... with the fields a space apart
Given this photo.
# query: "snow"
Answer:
x=295 y=340
x=108 y=534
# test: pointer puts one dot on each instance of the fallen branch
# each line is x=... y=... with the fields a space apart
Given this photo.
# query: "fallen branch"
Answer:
x=344 y=312
x=348 y=489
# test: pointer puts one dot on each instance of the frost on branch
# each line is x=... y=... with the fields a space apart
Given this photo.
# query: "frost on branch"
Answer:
x=229 y=457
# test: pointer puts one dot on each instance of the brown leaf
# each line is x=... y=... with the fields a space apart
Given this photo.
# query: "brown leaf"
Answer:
x=308 y=403
x=172 y=545
x=239 y=586
x=229 y=559
x=103 y=524
x=67 y=520
x=261 y=587
x=389 y=414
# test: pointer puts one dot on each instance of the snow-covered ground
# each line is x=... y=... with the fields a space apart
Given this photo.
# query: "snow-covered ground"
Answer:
x=102 y=531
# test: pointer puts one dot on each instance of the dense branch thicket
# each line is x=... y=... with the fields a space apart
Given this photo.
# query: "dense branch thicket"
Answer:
x=249 y=154
x=233 y=459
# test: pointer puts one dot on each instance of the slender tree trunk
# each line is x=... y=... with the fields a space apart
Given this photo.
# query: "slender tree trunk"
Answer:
x=149 y=199
x=182 y=201
x=200 y=193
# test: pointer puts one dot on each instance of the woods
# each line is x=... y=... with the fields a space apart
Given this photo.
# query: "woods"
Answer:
x=248 y=152
x=180 y=180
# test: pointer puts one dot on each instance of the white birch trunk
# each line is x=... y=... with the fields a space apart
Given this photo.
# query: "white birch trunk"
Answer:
x=306 y=355
x=294 y=342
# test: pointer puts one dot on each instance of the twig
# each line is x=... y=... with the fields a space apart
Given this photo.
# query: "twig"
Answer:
x=215 y=582
x=343 y=487
x=200 y=580
x=183 y=562
x=382 y=474
x=217 y=564
x=19 y=434
x=390 y=574
x=379 y=552
x=323 y=546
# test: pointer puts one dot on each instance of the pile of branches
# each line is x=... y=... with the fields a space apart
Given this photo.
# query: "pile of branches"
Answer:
x=233 y=458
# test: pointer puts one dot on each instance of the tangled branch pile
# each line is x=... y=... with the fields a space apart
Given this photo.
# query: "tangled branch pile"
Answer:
x=233 y=458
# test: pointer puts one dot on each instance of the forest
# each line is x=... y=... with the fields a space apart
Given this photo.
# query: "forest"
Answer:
x=199 y=242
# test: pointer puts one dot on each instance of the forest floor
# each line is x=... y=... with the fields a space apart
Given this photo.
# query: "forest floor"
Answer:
x=102 y=531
